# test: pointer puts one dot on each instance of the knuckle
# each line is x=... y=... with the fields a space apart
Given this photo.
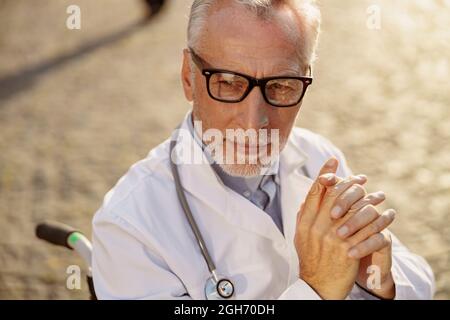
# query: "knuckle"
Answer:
x=371 y=211
x=315 y=189
x=374 y=214
x=353 y=222
x=329 y=239
x=315 y=230
x=334 y=191
x=344 y=246
x=374 y=198
x=373 y=228
x=379 y=239
x=351 y=180
x=355 y=191
x=359 y=189
x=352 y=242
x=343 y=202
x=359 y=205
x=353 y=210
x=363 y=247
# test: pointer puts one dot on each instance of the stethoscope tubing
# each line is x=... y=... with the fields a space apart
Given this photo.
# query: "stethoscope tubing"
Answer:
x=189 y=215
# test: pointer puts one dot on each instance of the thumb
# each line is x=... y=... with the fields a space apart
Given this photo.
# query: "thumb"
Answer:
x=327 y=174
x=314 y=196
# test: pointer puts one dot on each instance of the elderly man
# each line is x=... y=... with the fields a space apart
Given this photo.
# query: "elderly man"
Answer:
x=233 y=221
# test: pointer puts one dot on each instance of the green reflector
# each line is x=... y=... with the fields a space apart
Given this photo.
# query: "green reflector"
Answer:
x=74 y=237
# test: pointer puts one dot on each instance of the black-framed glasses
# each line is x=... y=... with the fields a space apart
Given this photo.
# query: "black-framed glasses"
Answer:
x=232 y=87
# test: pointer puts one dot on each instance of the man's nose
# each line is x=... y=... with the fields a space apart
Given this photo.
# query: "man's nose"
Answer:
x=254 y=114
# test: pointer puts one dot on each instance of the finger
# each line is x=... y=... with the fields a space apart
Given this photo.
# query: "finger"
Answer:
x=330 y=166
x=371 y=199
x=346 y=200
x=327 y=174
x=374 y=243
x=332 y=193
x=311 y=205
x=378 y=225
x=328 y=179
x=374 y=199
x=357 y=221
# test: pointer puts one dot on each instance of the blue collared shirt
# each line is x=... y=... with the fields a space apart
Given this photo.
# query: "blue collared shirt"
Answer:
x=263 y=191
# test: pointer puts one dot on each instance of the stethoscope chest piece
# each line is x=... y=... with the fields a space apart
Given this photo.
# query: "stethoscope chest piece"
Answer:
x=218 y=290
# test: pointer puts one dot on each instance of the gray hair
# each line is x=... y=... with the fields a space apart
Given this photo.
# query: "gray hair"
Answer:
x=305 y=35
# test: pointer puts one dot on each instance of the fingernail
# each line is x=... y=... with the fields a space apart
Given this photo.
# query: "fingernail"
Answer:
x=381 y=194
x=353 y=253
x=362 y=176
x=342 y=231
x=336 y=212
x=328 y=176
x=391 y=214
x=331 y=163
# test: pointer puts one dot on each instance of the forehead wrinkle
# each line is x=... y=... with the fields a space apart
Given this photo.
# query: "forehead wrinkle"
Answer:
x=279 y=69
x=241 y=61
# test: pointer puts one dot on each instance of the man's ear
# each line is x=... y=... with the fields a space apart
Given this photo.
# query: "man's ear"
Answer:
x=186 y=77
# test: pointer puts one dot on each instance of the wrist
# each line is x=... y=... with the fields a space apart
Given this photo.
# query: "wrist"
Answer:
x=325 y=293
x=386 y=290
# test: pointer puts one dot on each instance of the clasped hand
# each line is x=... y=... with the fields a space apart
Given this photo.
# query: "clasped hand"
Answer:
x=340 y=233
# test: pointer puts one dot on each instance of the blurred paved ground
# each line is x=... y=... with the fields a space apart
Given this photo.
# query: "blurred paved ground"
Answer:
x=77 y=108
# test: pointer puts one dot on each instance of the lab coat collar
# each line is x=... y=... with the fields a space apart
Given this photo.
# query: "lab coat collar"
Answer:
x=292 y=157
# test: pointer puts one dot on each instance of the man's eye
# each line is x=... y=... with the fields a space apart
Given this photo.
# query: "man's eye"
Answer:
x=231 y=83
x=281 y=87
x=226 y=82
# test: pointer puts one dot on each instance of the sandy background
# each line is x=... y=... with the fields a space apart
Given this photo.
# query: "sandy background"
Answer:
x=77 y=108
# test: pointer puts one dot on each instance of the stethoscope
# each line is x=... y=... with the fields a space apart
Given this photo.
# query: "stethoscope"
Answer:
x=216 y=288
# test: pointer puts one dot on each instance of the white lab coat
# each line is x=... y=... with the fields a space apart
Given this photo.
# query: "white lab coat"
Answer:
x=143 y=246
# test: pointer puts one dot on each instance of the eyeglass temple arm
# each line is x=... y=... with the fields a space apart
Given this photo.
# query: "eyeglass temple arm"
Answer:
x=310 y=70
x=197 y=60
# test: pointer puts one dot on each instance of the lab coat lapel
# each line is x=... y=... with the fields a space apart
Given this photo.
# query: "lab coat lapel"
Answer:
x=248 y=216
x=294 y=188
x=197 y=176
